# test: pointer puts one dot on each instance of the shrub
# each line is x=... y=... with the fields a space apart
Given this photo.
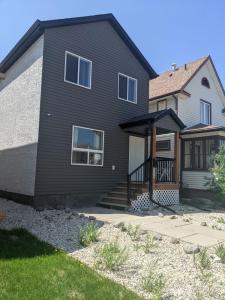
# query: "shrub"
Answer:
x=89 y=234
x=111 y=257
x=218 y=171
x=134 y=232
x=203 y=260
x=154 y=284
x=220 y=252
x=148 y=244
x=221 y=220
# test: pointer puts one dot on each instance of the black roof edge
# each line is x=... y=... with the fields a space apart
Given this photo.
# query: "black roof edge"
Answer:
x=37 y=29
x=152 y=118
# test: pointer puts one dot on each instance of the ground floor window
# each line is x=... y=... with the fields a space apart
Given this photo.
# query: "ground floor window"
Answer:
x=198 y=154
x=87 y=146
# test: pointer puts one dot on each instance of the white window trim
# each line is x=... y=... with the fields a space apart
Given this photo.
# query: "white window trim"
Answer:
x=78 y=70
x=209 y=105
x=87 y=150
x=128 y=77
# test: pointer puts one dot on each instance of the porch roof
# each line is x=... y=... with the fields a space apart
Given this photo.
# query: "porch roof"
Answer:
x=201 y=128
x=165 y=120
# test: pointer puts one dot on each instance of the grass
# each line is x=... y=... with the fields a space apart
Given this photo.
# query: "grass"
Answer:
x=221 y=220
x=110 y=257
x=89 y=234
x=149 y=244
x=33 y=270
x=220 y=252
x=134 y=232
x=154 y=284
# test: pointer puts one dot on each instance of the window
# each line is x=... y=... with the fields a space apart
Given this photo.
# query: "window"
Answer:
x=205 y=112
x=77 y=70
x=161 y=105
x=199 y=154
x=188 y=154
x=127 y=88
x=163 y=145
x=87 y=146
x=205 y=82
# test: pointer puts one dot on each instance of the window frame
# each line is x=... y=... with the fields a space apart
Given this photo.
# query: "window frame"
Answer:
x=78 y=70
x=163 y=100
x=87 y=150
x=210 y=111
x=192 y=155
x=161 y=150
x=128 y=77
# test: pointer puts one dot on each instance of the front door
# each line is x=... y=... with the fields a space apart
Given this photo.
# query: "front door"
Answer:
x=136 y=152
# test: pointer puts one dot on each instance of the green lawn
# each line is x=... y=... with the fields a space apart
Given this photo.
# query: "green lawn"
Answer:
x=31 y=269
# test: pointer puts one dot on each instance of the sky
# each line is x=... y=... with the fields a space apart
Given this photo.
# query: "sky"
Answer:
x=166 y=31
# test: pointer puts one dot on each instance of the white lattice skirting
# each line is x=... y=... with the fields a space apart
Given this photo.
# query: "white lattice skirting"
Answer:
x=164 y=197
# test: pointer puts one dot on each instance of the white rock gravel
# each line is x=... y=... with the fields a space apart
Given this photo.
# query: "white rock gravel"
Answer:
x=61 y=229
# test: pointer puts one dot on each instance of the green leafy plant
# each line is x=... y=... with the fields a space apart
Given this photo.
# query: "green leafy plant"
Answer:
x=220 y=252
x=203 y=266
x=203 y=260
x=89 y=234
x=110 y=257
x=155 y=284
x=149 y=244
x=218 y=171
x=134 y=232
x=221 y=220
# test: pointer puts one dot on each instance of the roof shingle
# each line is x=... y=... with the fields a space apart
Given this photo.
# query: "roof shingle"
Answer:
x=171 y=82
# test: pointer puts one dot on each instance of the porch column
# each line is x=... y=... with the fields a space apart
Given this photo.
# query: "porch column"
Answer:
x=177 y=157
x=152 y=158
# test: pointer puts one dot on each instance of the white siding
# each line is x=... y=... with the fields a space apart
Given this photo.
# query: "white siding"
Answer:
x=189 y=108
x=171 y=103
x=196 y=180
x=20 y=95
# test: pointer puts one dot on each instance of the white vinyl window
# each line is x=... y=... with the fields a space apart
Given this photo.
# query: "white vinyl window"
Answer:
x=127 y=88
x=87 y=146
x=205 y=112
x=77 y=70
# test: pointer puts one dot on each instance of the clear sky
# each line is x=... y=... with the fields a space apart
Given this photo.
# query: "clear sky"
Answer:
x=166 y=31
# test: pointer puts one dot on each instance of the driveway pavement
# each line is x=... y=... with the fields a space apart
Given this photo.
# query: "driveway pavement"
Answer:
x=190 y=231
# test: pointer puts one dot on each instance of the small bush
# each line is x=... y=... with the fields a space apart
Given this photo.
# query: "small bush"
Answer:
x=221 y=220
x=220 y=252
x=203 y=260
x=134 y=232
x=149 y=244
x=154 y=284
x=89 y=234
x=111 y=257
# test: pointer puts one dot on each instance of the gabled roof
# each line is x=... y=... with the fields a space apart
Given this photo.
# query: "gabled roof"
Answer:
x=173 y=82
x=200 y=128
x=152 y=118
x=38 y=28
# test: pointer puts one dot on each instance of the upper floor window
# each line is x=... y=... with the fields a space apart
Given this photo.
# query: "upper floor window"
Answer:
x=205 y=112
x=127 y=88
x=161 y=104
x=205 y=82
x=77 y=70
x=87 y=146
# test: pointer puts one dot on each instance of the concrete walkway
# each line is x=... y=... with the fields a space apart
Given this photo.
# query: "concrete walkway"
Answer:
x=190 y=232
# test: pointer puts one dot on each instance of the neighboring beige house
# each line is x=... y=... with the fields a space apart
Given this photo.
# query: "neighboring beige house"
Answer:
x=194 y=91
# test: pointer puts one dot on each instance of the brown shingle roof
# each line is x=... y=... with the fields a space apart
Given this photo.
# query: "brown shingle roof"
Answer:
x=199 y=128
x=171 y=82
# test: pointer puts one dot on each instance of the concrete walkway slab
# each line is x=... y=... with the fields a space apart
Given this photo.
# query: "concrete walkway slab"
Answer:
x=190 y=232
x=201 y=240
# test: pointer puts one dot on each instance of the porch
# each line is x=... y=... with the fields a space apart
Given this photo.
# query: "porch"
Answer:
x=155 y=180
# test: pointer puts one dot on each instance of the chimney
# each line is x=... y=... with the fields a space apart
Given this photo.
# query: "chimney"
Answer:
x=174 y=67
x=185 y=66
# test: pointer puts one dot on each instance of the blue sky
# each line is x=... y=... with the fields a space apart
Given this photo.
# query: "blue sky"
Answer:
x=166 y=31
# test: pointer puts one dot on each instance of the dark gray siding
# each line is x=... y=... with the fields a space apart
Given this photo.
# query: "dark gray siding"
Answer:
x=97 y=108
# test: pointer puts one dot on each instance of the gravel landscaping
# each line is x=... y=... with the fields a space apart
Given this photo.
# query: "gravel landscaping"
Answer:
x=146 y=251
